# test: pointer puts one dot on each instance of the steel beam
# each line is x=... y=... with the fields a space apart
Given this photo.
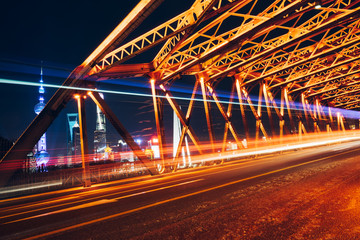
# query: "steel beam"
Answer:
x=185 y=128
x=28 y=139
x=158 y=120
x=226 y=116
x=119 y=127
x=242 y=108
x=287 y=101
x=266 y=97
x=83 y=141
x=184 y=119
x=207 y=113
x=229 y=114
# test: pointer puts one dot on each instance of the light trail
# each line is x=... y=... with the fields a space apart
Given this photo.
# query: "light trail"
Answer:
x=30 y=187
x=101 y=201
x=346 y=113
x=113 y=216
x=270 y=149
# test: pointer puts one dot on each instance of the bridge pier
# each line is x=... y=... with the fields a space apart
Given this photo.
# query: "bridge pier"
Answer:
x=158 y=112
x=83 y=140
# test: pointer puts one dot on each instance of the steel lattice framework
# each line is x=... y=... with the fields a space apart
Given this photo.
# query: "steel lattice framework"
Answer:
x=302 y=51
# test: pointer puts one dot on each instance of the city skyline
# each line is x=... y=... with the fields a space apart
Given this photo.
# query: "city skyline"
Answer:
x=43 y=33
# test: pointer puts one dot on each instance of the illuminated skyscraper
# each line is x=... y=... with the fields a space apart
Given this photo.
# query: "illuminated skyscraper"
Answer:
x=100 y=132
x=41 y=155
x=73 y=141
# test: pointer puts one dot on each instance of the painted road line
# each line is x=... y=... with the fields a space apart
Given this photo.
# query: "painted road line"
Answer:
x=102 y=201
x=174 y=199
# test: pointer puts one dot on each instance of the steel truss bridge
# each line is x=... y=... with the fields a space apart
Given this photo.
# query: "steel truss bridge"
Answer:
x=300 y=57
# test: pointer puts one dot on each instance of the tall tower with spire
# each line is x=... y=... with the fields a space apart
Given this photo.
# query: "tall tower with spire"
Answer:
x=41 y=155
x=100 y=133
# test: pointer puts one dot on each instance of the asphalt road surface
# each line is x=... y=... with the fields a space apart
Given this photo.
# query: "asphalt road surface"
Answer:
x=304 y=194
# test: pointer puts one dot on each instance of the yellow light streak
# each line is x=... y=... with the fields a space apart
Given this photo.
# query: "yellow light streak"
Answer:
x=103 y=201
x=175 y=198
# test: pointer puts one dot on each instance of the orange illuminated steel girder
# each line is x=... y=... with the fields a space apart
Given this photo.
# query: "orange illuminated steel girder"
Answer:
x=261 y=56
x=339 y=91
x=216 y=47
x=183 y=119
x=236 y=40
x=182 y=24
x=349 y=100
x=214 y=42
x=306 y=63
x=175 y=35
x=334 y=74
x=280 y=62
x=248 y=51
x=24 y=144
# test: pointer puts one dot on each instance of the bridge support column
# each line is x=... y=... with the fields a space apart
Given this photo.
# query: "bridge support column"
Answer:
x=286 y=96
x=282 y=113
x=185 y=121
x=83 y=141
x=159 y=124
x=331 y=120
x=185 y=129
x=226 y=116
x=266 y=97
x=340 y=121
x=316 y=120
x=207 y=113
x=257 y=114
x=242 y=108
x=302 y=129
x=320 y=113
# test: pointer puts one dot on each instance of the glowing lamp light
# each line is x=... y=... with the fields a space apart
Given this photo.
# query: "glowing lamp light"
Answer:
x=76 y=96
x=317 y=4
x=155 y=140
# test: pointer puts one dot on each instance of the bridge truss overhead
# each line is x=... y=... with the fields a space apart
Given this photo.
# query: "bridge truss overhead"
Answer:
x=284 y=52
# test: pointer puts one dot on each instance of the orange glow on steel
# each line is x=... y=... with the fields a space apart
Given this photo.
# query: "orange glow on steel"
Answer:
x=113 y=35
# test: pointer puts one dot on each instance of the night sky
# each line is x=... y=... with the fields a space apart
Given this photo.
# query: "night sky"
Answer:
x=61 y=34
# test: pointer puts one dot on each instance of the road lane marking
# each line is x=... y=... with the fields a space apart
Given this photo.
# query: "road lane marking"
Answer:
x=203 y=172
x=85 y=205
x=102 y=201
x=83 y=200
x=176 y=198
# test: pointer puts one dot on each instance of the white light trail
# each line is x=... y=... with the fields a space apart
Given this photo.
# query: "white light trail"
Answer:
x=346 y=113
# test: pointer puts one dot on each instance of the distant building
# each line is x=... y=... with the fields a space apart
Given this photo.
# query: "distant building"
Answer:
x=40 y=153
x=100 y=134
x=185 y=151
x=73 y=138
